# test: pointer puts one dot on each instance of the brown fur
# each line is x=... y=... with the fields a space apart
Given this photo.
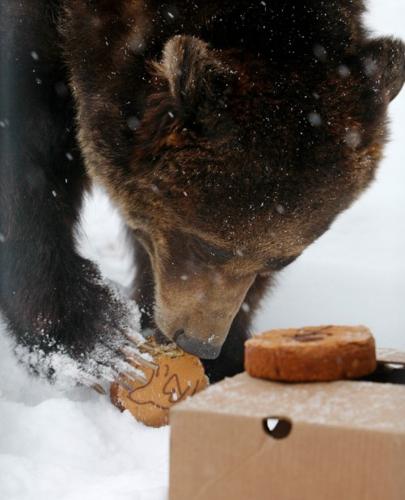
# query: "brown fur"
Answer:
x=249 y=140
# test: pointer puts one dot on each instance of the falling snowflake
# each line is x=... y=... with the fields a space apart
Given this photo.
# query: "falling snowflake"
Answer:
x=315 y=119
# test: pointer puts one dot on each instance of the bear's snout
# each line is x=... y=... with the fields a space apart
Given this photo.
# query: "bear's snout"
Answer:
x=199 y=313
x=199 y=332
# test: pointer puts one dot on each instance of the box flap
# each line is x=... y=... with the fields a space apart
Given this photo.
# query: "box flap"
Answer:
x=354 y=404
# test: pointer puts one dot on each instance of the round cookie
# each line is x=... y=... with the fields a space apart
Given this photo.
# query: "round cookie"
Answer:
x=169 y=378
x=310 y=354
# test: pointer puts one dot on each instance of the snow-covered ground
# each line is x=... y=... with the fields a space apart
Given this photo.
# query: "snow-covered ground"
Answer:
x=75 y=445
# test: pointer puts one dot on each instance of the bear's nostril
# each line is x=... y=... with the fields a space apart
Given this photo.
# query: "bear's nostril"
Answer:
x=177 y=334
x=200 y=348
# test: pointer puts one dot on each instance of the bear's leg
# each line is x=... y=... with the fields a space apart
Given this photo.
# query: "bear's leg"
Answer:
x=52 y=298
x=230 y=361
x=143 y=288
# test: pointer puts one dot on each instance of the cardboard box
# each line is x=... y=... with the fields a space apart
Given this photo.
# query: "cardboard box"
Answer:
x=250 y=439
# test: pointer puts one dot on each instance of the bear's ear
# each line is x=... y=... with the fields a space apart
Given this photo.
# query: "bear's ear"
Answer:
x=384 y=61
x=198 y=81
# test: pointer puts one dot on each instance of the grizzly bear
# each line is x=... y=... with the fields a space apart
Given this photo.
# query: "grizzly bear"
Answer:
x=229 y=134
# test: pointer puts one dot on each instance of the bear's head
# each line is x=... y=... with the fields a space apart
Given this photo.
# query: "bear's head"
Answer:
x=243 y=162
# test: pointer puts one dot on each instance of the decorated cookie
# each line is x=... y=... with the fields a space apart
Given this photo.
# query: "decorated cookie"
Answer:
x=170 y=377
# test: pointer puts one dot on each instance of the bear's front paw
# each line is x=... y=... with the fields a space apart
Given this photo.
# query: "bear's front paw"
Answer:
x=110 y=337
x=83 y=334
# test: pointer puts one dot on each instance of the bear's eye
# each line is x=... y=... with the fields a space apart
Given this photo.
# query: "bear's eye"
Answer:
x=208 y=252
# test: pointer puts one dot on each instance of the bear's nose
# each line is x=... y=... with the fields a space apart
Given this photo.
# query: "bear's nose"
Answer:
x=202 y=349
